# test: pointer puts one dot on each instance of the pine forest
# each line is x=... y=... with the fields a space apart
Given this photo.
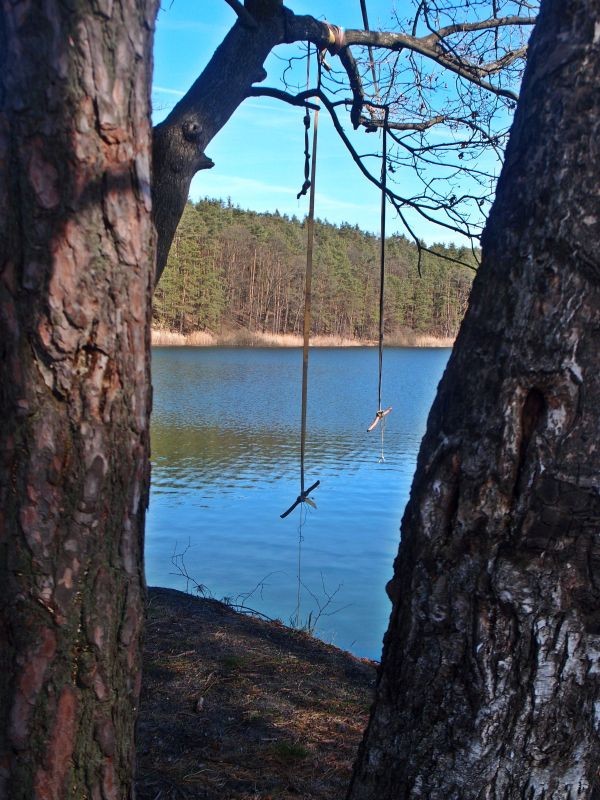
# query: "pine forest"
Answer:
x=232 y=270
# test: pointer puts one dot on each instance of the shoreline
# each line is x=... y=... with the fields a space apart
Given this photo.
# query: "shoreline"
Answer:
x=165 y=338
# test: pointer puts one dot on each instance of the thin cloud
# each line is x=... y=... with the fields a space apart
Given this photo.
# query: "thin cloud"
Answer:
x=261 y=196
x=327 y=203
x=229 y=185
x=270 y=105
x=166 y=90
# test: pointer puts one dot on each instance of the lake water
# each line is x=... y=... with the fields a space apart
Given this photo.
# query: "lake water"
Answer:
x=225 y=450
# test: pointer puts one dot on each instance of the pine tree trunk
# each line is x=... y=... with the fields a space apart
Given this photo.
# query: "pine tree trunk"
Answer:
x=490 y=680
x=76 y=271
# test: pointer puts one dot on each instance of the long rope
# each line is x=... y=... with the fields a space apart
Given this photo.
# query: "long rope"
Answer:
x=308 y=295
x=381 y=413
x=303 y=496
x=382 y=251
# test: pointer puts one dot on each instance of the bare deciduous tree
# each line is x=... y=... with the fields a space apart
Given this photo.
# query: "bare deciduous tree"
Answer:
x=448 y=76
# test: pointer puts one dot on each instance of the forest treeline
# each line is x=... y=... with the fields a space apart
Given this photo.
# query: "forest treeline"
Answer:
x=231 y=269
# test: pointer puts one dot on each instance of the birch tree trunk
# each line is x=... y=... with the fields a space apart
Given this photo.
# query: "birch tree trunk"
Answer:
x=490 y=680
x=76 y=271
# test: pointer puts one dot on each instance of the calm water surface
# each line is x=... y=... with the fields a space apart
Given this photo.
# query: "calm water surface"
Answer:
x=225 y=443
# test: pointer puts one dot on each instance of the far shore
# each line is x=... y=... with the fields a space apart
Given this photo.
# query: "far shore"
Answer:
x=165 y=338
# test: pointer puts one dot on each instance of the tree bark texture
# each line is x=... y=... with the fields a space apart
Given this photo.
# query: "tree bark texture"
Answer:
x=76 y=273
x=490 y=680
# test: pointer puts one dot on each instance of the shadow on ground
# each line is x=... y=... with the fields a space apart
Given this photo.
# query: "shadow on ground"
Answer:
x=236 y=708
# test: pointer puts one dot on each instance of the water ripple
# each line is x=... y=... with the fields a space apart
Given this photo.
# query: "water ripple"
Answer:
x=225 y=445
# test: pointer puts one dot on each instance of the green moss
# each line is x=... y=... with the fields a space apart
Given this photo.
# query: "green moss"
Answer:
x=289 y=751
x=233 y=662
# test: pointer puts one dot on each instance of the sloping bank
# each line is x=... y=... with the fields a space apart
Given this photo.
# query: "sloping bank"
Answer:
x=240 y=708
x=165 y=338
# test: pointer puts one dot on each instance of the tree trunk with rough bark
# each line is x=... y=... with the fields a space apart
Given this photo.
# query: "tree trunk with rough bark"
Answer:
x=490 y=680
x=76 y=273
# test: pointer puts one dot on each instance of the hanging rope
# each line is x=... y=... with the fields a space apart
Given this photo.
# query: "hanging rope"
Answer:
x=303 y=496
x=381 y=413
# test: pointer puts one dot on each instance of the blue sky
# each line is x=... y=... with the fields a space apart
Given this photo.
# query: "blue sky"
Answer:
x=258 y=155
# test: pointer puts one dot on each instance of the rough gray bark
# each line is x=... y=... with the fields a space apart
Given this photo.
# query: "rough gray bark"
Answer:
x=490 y=680
x=76 y=272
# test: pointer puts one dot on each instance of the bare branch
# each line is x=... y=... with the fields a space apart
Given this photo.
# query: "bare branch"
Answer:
x=301 y=99
x=405 y=126
x=302 y=28
x=485 y=63
x=358 y=98
x=363 y=8
x=506 y=60
x=480 y=25
x=397 y=200
x=398 y=41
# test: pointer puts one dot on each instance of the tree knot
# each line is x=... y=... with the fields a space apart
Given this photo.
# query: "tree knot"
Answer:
x=191 y=130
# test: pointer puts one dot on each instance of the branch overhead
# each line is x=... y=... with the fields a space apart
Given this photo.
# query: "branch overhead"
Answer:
x=447 y=78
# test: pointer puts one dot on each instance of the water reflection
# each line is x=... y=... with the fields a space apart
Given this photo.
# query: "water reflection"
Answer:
x=226 y=450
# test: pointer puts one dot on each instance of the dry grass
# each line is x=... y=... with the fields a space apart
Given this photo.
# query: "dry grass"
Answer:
x=164 y=338
x=235 y=708
x=412 y=339
x=243 y=338
x=339 y=341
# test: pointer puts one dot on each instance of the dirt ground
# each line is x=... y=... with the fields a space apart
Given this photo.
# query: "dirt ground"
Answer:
x=237 y=708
